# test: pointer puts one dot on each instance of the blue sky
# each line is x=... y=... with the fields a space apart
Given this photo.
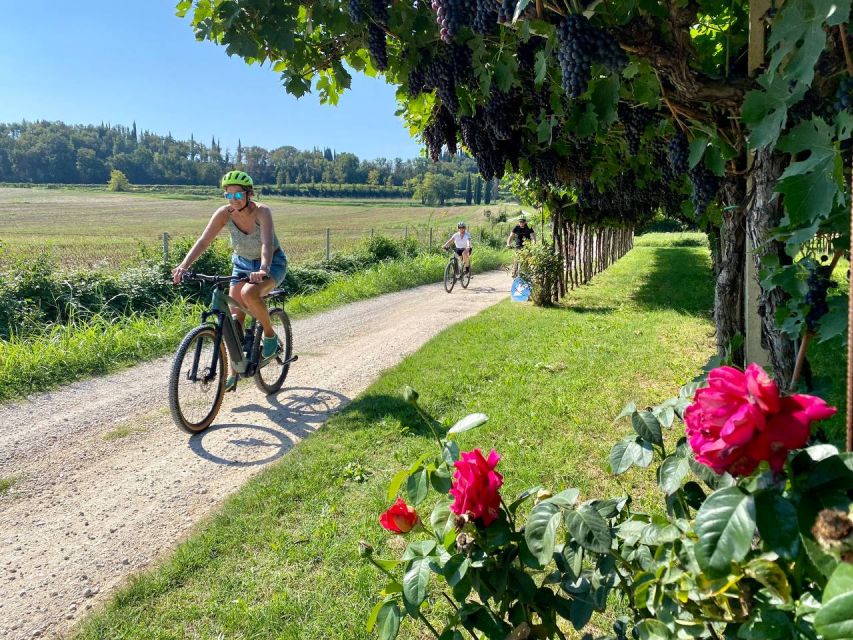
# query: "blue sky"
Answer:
x=115 y=61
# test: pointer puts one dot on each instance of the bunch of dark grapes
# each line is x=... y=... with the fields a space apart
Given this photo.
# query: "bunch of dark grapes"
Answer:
x=357 y=14
x=380 y=12
x=416 y=81
x=679 y=152
x=376 y=43
x=439 y=76
x=705 y=188
x=440 y=131
x=377 y=46
x=844 y=95
x=506 y=11
x=490 y=153
x=580 y=46
x=543 y=167
x=625 y=199
x=536 y=99
x=503 y=112
x=461 y=63
x=819 y=282
x=635 y=122
x=452 y=16
x=485 y=17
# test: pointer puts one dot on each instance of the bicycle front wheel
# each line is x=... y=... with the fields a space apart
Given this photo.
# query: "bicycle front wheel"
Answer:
x=449 y=277
x=195 y=387
x=270 y=377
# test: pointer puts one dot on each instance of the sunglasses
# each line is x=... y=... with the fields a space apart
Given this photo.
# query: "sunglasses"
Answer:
x=234 y=196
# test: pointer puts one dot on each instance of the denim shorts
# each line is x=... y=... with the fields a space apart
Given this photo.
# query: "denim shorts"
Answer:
x=242 y=267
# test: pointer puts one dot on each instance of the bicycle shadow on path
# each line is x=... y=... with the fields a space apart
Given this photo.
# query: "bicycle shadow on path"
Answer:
x=290 y=416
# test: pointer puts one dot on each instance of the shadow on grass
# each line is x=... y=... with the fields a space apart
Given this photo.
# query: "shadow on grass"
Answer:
x=583 y=309
x=679 y=279
x=376 y=407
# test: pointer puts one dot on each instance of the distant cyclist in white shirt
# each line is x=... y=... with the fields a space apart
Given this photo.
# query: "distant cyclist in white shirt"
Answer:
x=462 y=241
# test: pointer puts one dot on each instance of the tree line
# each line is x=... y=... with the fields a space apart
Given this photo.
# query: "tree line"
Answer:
x=55 y=152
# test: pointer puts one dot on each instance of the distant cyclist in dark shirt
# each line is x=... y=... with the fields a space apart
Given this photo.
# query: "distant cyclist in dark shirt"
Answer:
x=522 y=233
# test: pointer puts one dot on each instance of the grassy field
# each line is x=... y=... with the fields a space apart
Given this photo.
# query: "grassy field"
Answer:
x=95 y=228
x=280 y=559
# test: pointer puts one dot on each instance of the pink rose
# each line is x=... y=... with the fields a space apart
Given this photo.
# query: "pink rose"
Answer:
x=475 y=486
x=399 y=518
x=740 y=419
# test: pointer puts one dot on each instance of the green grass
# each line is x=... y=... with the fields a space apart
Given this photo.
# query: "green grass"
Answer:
x=6 y=485
x=123 y=432
x=677 y=239
x=280 y=560
x=98 y=229
x=98 y=345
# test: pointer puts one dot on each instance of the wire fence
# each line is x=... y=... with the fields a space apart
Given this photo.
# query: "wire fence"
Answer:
x=109 y=252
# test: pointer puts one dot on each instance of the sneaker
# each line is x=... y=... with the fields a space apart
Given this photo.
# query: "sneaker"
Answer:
x=270 y=347
x=231 y=383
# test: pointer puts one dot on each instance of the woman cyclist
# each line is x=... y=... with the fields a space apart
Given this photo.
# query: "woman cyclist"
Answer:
x=257 y=253
x=462 y=241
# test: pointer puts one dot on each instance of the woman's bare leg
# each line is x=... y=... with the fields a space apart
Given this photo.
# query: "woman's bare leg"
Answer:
x=251 y=295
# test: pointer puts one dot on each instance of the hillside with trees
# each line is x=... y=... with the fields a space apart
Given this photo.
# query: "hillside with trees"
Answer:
x=55 y=152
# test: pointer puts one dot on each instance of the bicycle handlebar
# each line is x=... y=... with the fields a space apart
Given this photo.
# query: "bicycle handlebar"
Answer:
x=200 y=277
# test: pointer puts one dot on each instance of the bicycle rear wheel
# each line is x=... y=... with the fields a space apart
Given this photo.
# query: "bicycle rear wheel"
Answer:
x=449 y=277
x=465 y=278
x=195 y=403
x=270 y=377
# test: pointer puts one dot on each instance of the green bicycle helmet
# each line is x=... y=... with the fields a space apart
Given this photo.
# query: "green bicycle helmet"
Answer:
x=237 y=177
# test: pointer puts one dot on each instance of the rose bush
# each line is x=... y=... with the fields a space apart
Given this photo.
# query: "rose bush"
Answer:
x=751 y=556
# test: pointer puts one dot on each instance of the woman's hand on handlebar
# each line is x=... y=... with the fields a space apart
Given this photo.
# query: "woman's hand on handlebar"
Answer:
x=258 y=276
x=178 y=273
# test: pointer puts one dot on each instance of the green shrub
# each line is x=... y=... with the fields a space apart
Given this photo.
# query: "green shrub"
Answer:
x=540 y=265
x=348 y=262
x=382 y=248
x=306 y=279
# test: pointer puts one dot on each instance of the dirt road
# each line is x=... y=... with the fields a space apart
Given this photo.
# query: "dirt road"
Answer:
x=106 y=483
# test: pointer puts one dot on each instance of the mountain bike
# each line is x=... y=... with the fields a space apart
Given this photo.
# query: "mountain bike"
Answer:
x=454 y=271
x=200 y=367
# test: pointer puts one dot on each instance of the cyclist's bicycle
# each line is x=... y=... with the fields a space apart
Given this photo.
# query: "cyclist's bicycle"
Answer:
x=455 y=271
x=197 y=380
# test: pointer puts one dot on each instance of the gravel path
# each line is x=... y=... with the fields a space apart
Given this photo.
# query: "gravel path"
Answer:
x=106 y=483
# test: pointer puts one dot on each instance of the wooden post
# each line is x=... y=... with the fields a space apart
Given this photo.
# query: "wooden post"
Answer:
x=328 y=243
x=850 y=347
x=405 y=232
x=166 y=252
x=371 y=233
x=430 y=239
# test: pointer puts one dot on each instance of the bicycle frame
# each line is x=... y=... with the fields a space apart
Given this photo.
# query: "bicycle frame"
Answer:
x=226 y=329
x=455 y=259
